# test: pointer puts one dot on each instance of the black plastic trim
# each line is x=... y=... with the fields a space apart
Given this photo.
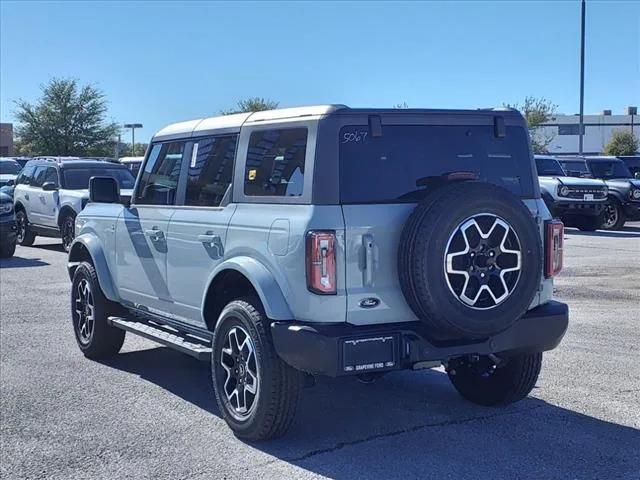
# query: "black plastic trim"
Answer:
x=316 y=348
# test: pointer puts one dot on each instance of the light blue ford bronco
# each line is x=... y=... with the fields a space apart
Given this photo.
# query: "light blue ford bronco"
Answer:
x=326 y=240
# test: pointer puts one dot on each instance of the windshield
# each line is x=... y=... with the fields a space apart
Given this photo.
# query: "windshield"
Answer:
x=78 y=178
x=9 y=167
x=549 y=167
x=576 y=166
x=609 y=170
x=408 y=161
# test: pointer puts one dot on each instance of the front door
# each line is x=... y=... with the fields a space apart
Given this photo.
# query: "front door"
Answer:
x=141 y=231
x=48 y=201
x=197 y=231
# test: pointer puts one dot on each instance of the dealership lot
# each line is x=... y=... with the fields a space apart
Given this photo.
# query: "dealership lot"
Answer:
x=150 y=413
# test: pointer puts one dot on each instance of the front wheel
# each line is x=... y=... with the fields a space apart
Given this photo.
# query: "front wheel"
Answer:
x=255 y=390
x=67 y=231
x=7 y=249
x=89 y=312
x=614 y=216
x=24 y=235
x=491 y=381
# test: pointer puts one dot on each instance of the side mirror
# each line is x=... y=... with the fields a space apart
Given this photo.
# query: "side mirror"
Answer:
x=104 y=190
x=636 y=176
x=10 y=183
x=49 y=186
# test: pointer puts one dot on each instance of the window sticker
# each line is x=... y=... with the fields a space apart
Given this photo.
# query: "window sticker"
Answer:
x=252 y=174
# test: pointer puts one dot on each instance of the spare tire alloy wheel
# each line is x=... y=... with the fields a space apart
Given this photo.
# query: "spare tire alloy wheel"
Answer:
x=470 y=260
x=85 y=312
x=483 y=261
x=241 y=382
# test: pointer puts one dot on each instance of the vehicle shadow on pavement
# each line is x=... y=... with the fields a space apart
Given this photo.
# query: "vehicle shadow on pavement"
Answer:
x=54 y=247
x=20 y=262
x=414 y=425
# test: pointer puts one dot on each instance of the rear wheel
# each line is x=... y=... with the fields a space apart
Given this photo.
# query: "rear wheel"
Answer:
x=255 y=390
x=491 y=381
x=614 y=216
x=89 y=312
x=24 y=235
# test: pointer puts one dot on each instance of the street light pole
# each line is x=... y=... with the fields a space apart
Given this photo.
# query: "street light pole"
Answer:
x=581 y=132
x=133 y=127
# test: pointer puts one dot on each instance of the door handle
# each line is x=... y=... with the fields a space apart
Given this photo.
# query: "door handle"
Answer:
x=209 y=238
x=41 y=197
x=367 y=241
x=154 y=234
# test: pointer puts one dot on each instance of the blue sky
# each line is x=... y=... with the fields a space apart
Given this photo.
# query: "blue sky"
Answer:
x=161 y=62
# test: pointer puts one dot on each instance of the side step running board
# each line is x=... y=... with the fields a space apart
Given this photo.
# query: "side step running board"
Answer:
x=196 y=347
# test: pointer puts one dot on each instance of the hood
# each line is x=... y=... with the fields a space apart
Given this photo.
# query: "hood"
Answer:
x=5 y=177
x=623 y=182
x=577 y=182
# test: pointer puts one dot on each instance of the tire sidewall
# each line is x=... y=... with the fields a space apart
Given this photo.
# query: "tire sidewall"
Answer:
x=235 y=314
x=431 y=245
x=86 y=271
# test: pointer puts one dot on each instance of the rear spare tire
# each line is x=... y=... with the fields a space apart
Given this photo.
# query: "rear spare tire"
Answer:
x=470 y=260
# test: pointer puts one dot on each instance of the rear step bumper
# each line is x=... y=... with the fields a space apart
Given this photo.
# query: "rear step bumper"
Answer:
x=197 y=347
x=343 y=349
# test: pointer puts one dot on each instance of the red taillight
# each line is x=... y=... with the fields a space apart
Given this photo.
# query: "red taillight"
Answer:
x=554 y=245
x=321 y=262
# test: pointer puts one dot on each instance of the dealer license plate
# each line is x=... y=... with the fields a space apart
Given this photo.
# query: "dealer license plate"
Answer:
x=588 y=196
x=369 y=353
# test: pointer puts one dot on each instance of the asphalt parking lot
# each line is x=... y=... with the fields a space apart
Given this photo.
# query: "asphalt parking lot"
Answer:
x=150 y=412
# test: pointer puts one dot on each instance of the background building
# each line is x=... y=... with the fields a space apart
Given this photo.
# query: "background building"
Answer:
x=598 y=129
x=6 y=139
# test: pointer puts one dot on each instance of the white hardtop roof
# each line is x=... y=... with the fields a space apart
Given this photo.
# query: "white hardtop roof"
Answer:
x=232 y=123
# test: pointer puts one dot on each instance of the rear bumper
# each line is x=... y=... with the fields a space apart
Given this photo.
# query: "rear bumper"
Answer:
x=578 y=208
x=322 y=349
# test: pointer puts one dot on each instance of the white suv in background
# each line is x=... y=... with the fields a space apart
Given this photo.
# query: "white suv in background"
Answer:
x=50 y=192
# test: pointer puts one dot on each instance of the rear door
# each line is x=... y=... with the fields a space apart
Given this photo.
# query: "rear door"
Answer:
x=198 y=229
x=384 y=177
x=141 y=231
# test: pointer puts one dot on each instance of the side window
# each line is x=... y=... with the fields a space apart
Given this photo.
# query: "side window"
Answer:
x=38 y=176
x=51 y=175
x=210 y=171
x=26 y=175
x=159 y=181
x=275 y=163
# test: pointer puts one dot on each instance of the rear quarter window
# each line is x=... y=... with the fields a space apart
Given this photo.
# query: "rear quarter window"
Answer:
x=276 y=163
x=407 y=160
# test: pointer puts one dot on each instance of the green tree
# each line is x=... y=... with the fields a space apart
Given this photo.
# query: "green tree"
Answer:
x=68 y=119
x=401 y=106
x=622 y=143
x=537 y=111
x=252 y=104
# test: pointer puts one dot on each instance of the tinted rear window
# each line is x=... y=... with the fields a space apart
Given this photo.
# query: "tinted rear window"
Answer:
x=407 y=160
x=78 y=178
